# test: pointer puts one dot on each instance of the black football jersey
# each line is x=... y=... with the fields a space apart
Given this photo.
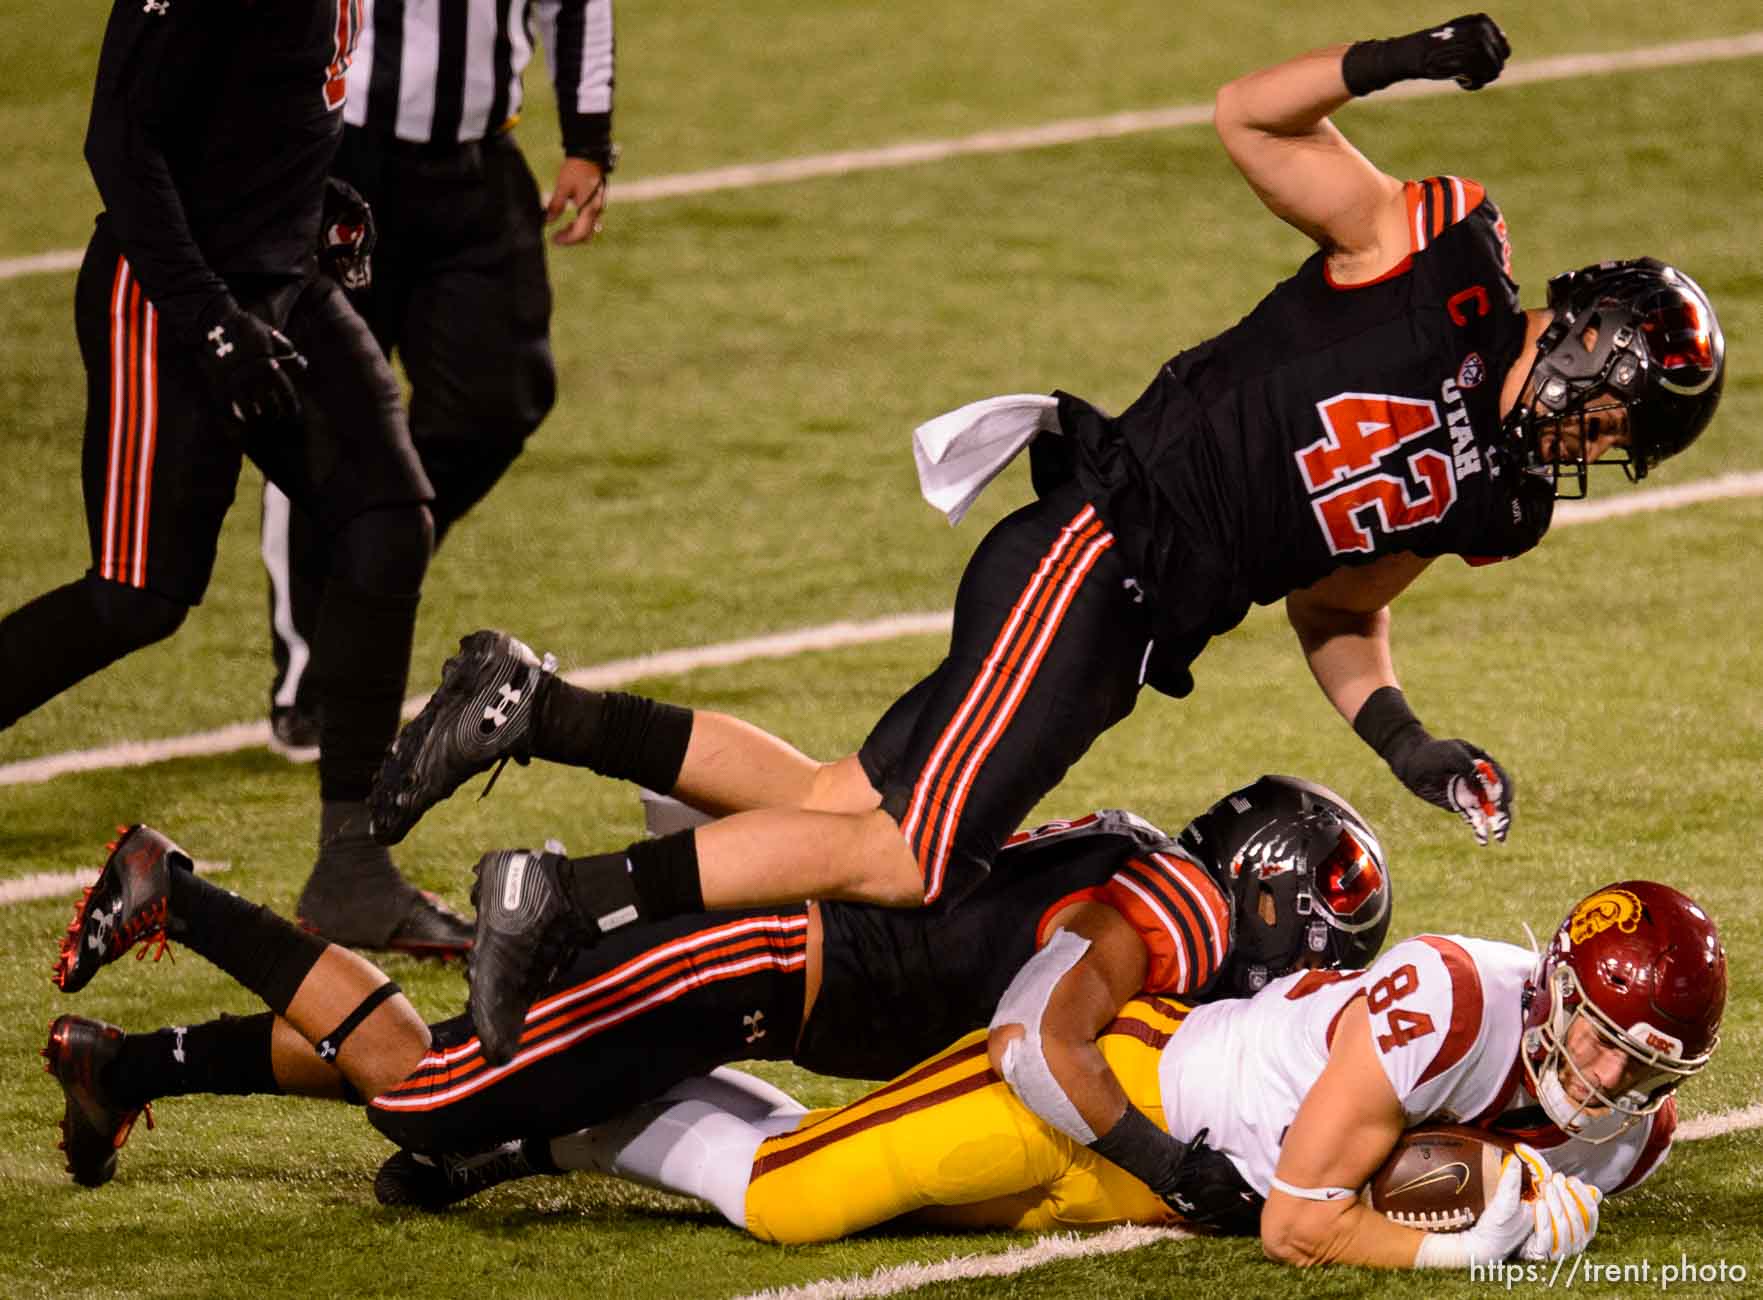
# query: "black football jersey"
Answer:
x=898 y=986
x=213 y=125
x=1333 y=425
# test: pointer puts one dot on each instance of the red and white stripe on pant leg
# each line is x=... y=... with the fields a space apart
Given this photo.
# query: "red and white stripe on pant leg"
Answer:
x=991 y=702
x=656 y=978
x=134 y=426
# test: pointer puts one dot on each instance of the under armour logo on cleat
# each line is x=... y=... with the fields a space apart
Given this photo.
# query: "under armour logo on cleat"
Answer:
x=512 y=883
x=1444 y=33
x=98 y=939
x=756 y=1030
x=177 y=1043
x=497 y=714
x=217 y=335
x=156 y=6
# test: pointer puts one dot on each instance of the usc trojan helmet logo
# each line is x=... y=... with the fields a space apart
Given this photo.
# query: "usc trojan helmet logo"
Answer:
x=1606 y=908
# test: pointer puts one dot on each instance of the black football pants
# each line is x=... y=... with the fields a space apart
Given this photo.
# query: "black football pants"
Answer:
x=460 y=295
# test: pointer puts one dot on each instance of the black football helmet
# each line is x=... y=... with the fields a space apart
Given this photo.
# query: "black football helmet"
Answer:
x=1639 y=335
x=1307 y=879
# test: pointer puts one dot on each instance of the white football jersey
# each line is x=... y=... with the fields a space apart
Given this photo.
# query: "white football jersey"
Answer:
x=1446 y=1020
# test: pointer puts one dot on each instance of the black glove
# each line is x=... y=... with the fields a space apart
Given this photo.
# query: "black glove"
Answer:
x=346 y=235
x=250 y=365
x=1196 y=1181
x=1451 y=774
x=1469 y=50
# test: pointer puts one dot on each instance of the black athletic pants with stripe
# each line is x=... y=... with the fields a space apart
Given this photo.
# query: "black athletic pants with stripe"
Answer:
x=1048 y=652
x=161 y=464
x=647 y=1007
x=460 y=293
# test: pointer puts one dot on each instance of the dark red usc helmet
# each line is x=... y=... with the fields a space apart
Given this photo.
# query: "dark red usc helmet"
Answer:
x=1643 y=964
x=1637 y=333
x=1297 y=852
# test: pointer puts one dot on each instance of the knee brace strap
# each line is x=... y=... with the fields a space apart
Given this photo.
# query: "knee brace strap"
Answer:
x=332 y=1043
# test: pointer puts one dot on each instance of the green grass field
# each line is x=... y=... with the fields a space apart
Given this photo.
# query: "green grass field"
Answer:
x=729 y=457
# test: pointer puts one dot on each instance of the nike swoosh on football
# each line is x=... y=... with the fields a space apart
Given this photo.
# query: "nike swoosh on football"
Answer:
x=1444 y=1171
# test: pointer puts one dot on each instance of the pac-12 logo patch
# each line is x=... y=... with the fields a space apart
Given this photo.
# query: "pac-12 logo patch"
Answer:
x=1472 y=371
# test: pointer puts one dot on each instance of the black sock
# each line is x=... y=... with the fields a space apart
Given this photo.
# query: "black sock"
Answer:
x=650 y=881
x=627 y=737
x=229 y=1056
x=256 y=947
x=664 y=872
x=537 y=1154
x=361 y=656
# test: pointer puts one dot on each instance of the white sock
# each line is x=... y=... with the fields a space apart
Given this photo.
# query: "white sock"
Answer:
x=690 y=1147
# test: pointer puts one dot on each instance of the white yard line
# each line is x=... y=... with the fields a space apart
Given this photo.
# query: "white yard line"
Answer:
x=619 y=672
x=781 y=645
x=1721 y=1123
x=1071 y=131
x=60 y=884
x=1724 y=487
x=1018 y=1259
x=900 y=1278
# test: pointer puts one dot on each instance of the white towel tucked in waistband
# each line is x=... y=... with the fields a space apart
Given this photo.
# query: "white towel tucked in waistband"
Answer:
x=961 y=451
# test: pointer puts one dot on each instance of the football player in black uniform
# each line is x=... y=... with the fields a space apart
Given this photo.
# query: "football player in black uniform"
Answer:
x=1278 y=875
x=459 y=289
x=208 y=334
x=1388 y=404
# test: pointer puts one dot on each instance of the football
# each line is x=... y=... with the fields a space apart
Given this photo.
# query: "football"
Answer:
x=1439 y=1177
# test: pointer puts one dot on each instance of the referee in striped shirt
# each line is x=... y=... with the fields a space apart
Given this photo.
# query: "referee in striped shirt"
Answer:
x=459 y=288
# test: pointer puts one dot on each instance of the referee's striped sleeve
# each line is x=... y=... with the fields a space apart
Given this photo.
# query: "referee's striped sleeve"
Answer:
x=578 y=40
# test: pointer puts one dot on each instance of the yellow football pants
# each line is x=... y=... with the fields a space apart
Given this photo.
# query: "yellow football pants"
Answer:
x=949 y=1143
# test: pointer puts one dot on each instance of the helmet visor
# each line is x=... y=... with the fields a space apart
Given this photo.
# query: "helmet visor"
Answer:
x=1679 y=336
x=1348 y=880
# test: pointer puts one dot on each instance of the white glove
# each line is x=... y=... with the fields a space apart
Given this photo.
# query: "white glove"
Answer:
x=1565 y=1213
x=1505 y=1223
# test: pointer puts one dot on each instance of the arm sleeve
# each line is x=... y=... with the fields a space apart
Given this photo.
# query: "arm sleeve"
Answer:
x=577 y=35
x=150 y=59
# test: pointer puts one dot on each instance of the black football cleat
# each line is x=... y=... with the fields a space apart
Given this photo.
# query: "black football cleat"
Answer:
x=431 y=929
x=480 y=715
x=525 y=928
x=427 y=927
x=93 y=1126
x=127 y=904
x=434 y=1182
x=357 y=897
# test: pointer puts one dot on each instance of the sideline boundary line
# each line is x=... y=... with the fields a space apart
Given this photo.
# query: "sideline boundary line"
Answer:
x=899 y=1278
x=1523 y=72
x=779 y=645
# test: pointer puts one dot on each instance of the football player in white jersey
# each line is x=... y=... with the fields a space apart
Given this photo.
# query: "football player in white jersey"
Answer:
x=1305 y=1088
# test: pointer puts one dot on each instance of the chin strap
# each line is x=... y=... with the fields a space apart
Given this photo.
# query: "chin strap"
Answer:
x=1530 y=935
